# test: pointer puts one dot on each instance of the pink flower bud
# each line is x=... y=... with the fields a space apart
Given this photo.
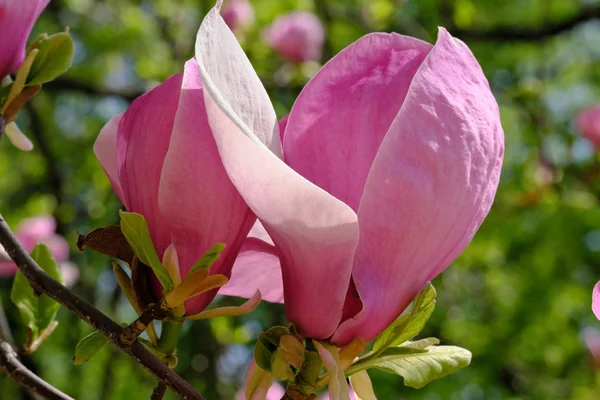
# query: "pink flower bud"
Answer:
x=297 y=37
x=238 y=14
x=16 y=20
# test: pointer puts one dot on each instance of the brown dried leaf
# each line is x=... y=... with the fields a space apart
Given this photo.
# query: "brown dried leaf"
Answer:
x=141 y=281
x=109 y=241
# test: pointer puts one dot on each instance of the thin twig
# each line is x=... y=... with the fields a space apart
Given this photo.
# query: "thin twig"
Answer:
x=42 y=283
x=135 y=329
x=159 y=391
x=24 y=377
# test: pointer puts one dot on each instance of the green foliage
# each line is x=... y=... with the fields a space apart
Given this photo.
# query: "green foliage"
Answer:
x=37 y=312
x=88 y=347
x=54 y=58
x=209 y=257
x=135 y=229
x=418 y=365
x=409 y=325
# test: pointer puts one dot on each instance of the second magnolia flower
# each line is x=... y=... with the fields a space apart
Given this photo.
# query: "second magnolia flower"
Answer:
x=162 y=162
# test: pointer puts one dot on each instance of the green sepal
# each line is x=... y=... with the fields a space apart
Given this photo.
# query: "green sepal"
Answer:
x=88 y=347
x=37 y=312
x=135 y=229
x=209 y=257
x=409 y=325
x=266 y=345
x=55 y=57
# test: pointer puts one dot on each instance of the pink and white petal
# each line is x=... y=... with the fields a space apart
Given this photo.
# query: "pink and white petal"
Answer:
x=315 y=233
x=431 y=186
x=142 y=142
x=105 y=149
x=233 y=83
x=36 y=228
x=196 y=198
x=596 y=300
x=257 y=267
x=17 y=19
x=340 y=118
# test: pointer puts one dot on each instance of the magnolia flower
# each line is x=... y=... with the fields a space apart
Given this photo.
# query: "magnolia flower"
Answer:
x=390 y=162
x=36 y=230
x=238 y=14
x=16 y=20
x=162 y=161
x=588 y=123
x=297 y=37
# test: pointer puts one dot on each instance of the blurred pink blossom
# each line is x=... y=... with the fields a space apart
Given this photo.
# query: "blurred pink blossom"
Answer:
x=587 y=123
x=297 y=37
x=591 y=340
x=238 y=14
x=16 y=20
x=36 y=230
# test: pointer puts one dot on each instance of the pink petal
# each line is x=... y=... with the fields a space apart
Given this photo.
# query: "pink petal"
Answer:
x=339 y=120
x=315 y=233
x=257 y=267
x=105 y=149
x=431 y=186
x=142 y=143
x=16 y=19
x=196 y=197
x=596 y=300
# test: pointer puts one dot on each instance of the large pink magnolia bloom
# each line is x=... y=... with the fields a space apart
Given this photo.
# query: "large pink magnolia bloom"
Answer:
x=32 y=231
x=16 y=20
x=297 y=37
x=162 y=161
x=587 y=123
x=392 y=159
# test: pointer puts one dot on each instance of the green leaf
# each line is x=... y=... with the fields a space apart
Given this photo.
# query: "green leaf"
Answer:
x=417 y=366
x=54 y=58
x=209 y=257
x=135 y=229
x=409 y=325
x=37 y=312
x=88 y=347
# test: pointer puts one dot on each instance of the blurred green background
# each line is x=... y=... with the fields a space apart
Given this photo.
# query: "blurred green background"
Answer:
x=518 y=297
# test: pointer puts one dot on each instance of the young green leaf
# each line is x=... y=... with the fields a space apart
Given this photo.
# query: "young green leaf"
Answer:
x=54 y=58
x=37 y=313
x=209 y=257
x=88 y=347
x=409 y=325
x=135 y=229
x=417 y=366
